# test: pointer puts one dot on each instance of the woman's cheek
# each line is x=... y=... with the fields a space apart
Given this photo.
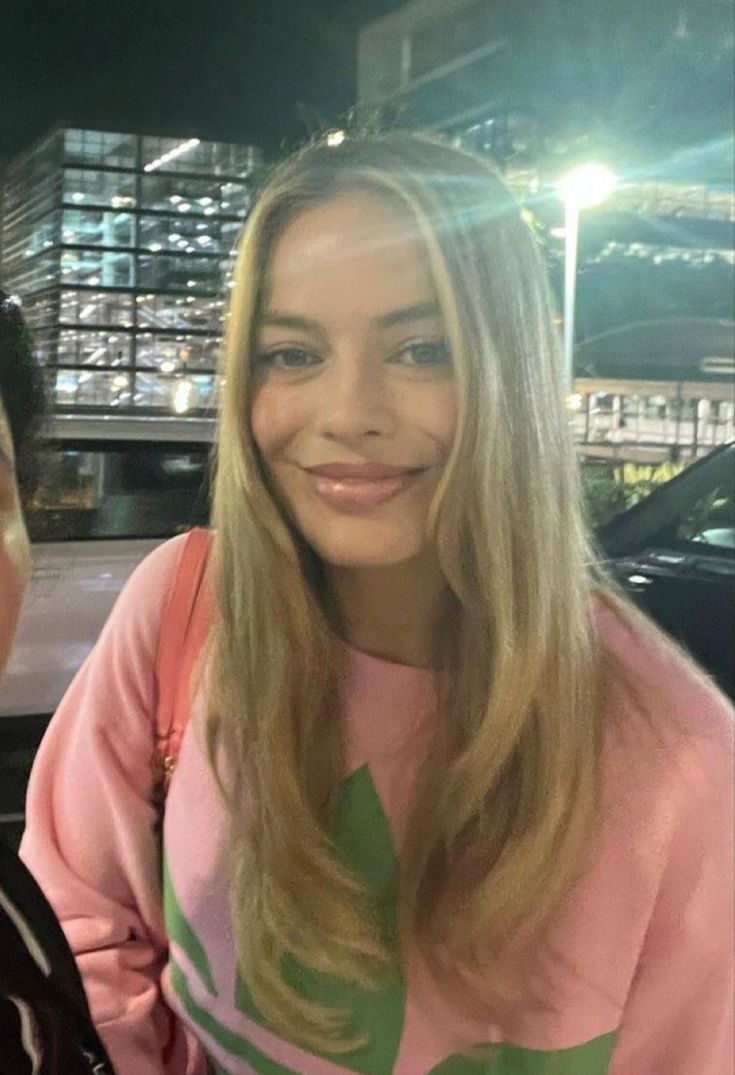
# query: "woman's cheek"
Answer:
x=272 y=419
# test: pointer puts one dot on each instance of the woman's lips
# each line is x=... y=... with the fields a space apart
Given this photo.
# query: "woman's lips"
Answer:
x=360 y=494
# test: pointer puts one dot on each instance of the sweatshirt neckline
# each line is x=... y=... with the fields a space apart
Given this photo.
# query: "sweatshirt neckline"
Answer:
x=382 y=664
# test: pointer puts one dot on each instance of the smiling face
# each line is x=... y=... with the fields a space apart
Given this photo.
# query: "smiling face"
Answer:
x=353 y=369
x=14 y=546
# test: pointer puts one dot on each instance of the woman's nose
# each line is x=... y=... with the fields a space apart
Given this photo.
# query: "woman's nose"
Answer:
x=355 y=401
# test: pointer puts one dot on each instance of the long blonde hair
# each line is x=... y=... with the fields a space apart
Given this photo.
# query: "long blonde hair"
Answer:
x=508 y=801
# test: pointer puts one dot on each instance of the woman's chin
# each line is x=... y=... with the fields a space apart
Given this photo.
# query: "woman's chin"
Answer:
x=366 y=555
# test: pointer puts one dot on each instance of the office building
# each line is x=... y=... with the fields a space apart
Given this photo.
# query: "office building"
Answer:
x=119 y=247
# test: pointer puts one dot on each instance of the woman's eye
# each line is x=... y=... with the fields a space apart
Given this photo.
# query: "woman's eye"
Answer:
x=287 y=358
x=426 y=353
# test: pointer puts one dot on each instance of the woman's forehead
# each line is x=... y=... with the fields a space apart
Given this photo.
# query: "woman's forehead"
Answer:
x=345 y=243
x=365 y=220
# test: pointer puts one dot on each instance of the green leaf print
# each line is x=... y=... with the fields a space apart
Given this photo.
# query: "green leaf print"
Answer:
x=592 y=1058
x=364 y=841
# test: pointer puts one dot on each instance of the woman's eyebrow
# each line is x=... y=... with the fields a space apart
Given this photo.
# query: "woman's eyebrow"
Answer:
x=415 y=312
x=278 y=319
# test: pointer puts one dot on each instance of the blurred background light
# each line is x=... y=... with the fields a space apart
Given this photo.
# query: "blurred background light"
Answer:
x=587 y=185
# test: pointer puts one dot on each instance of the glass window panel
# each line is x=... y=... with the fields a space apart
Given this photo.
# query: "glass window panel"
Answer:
x=92 y=388
x=106 y=268
x=230 y=236
x=164 y=192
x=192 y=155
x=43 y=235
x=173 y=155
x=171 y=354
x=130 y=491
x=100 y=147
x=95 y=308
x=84 y=186
x=48 y=153
x=177 y=394
x=78 y=348
x=15 y=245
x=20 y=216
x=40 y=311
x=242 y=160
x=32 y=182
x=92 y=227
x=236 y=198
x=180 y=312
x=180 y=273
x=187 y=234
x=35 y=273
x=44 y=347
x=205 y=196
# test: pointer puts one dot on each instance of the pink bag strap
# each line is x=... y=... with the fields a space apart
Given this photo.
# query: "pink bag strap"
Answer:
x=186 y=620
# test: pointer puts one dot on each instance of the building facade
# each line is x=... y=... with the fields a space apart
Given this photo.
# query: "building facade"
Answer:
x=119 y=247
x=540 y=90
x=436 y=62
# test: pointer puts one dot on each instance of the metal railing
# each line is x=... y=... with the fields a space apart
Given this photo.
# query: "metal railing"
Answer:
x=651 y=421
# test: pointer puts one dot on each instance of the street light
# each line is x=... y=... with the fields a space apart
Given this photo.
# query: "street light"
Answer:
x=583 y=187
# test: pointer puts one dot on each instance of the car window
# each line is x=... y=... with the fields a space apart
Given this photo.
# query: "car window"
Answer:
x=711 y=521
x=101 y=491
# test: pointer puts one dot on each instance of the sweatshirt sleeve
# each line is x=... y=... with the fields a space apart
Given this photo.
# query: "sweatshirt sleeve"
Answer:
x=678 y=1017
x=89 y=838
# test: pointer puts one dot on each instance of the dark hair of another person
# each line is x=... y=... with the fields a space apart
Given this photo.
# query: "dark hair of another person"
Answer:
x=21 y=387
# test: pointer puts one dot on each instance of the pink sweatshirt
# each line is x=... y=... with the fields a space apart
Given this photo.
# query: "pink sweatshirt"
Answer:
x=639 y=963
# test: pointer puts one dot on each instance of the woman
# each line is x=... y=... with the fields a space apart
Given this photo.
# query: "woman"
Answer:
x=45 y=1026
x=445 y=802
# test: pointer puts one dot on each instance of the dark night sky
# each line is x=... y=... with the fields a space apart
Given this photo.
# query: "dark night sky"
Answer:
x=650 y=76
x=239 y=69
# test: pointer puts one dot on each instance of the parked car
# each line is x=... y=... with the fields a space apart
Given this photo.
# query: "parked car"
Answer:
x=674 y=552
x=111 y=489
